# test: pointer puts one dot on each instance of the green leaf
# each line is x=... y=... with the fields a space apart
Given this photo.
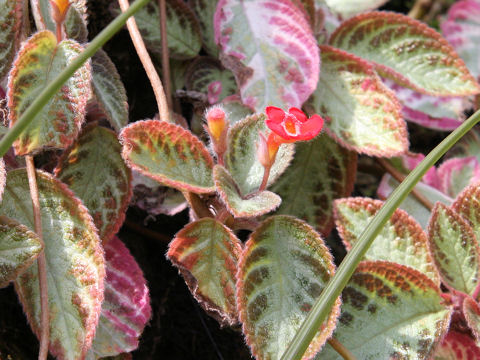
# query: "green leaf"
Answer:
x=39 y=61
x=11 y=18
x=74 y=259
x=401 y=240
x=241 y=157
x=205 y=10
x=109 y=90
x=467 y=205
x=454 y=248
x=471 y=310
x=406 y=51
x=283 y=269
x=239 y=206
x=320 y=172
x=183 y=30
x=19 y=247
x=168 y=154
x=94 y=170
x=235 y=109
x=390 y=311
x=206 y=254
x=360 y=111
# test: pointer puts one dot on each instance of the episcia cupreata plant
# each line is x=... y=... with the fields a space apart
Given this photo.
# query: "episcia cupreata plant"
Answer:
x=243 y=162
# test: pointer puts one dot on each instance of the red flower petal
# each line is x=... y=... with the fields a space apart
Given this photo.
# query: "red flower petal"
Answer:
x=311 y=127
x=274 y=114
x=298 y=114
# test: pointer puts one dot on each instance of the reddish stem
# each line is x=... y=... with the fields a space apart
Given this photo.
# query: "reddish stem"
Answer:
x=266 y=175
x=341 y=349
x=59 y=32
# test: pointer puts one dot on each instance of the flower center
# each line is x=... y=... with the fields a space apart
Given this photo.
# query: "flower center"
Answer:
x=290 y=124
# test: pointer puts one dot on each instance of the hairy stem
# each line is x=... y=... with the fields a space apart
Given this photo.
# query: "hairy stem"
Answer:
x=165 y=56
x=41 y=261
x=198 y=205
x=340 y=349
x=266 y=175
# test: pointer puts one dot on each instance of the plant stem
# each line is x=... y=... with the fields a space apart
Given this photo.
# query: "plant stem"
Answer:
x=147 y=64
x=419 y=9
x=322 y=307
x=52 y=88
x=165 y=56
x=340 y=349
x=147 y=232
x=41 y=261
x=400 y=177
x=197 y=205
x=266 y=175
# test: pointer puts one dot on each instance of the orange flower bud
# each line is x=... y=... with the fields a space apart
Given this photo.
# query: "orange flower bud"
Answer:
x=59 y=10
x=217 y=124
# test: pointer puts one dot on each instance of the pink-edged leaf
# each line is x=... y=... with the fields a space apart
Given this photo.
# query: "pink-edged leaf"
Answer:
x=408 y=52
x=74 y=262
x=321 y=172
x=467 y=204
x=93 y=168
x=360 y=111
x=11 y=18
x=353 y=7
x=3 y=177
x=401 y=240
x=283 y=269
x=168 y=154
x=462 y=31
x=390 y=311
x=126 y=308
x=270 y=48
x=457 y=346
x=454 y=249
x=471 y=310
x=206 y=254
x=39 y=61
x=457 y=173
x=258 y=204
x=19 y=247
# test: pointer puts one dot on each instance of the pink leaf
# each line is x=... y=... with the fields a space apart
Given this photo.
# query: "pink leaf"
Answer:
x=457 y=173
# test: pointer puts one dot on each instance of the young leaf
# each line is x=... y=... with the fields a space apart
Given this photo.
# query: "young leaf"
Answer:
x=407 y=51
x=457 y=346
x=126 y=308
x=74 y=258
x=206 y=254
x=353 y=7
x=241 y=157
x=320 y=172
x=390 y=311
x=259 y=204
x=457 y=173
x=94 y=170
x=467 y=204
x=205 y=10
x=109 y=90
x=269 y=46
x=402 y=240
x=183 y=30
x=169 y=154
x=283 y=269
x=360 y=111
x=38 y=62
x=11 y=16
x=471 y=310
x=19 y=247
x=454 y=248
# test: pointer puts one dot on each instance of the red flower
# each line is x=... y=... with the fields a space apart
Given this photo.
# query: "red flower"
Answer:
x=294 y=125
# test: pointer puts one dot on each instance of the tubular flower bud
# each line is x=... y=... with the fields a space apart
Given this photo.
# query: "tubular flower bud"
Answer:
x=59 y=10
x=216 y=122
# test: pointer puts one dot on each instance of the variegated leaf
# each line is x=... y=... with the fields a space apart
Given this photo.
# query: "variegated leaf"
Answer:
x=269 y=46
x=3 y=177
x=19 y=247
x=238 y=205
x=11 y=18
x=74 y=262
x=168 y=154
x=94 y=170
x=126 y=309
x=406 y=51
x=353 y=7
x=184 y=35
x=457 y=173
x=320 y=172
x=205 y=10
x=390 y=311
x=462 y=30
x=360 y=111
x=109 y=90
x=401 y=239
x=454 y=248
x=241 y=159
x=457 y=346
x=471 y=310
x=206 y=254
x=39 y=61
x=283 y=270
x=467 y=204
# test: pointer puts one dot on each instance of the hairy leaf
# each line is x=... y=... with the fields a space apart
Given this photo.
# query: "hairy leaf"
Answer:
x=39 y=61
x=11 y=18
x=283 y=270
x=126 y=308
x=360 y=111
x=74 y=259
x=205 y=10
x=457 y=173
x=320 y=172
x=19 y=247
x=94 y=170
x=454 y=249
x=169 y=154
x=390 y=311
x=467 y=204
x=259 y=204
x=241 y=159
x=269 y=46
x=109 y=90
x=206 y=254
x=406 y=51
x=235 y=109
x=457 y=346
x=353 y=7
x=471 y=310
